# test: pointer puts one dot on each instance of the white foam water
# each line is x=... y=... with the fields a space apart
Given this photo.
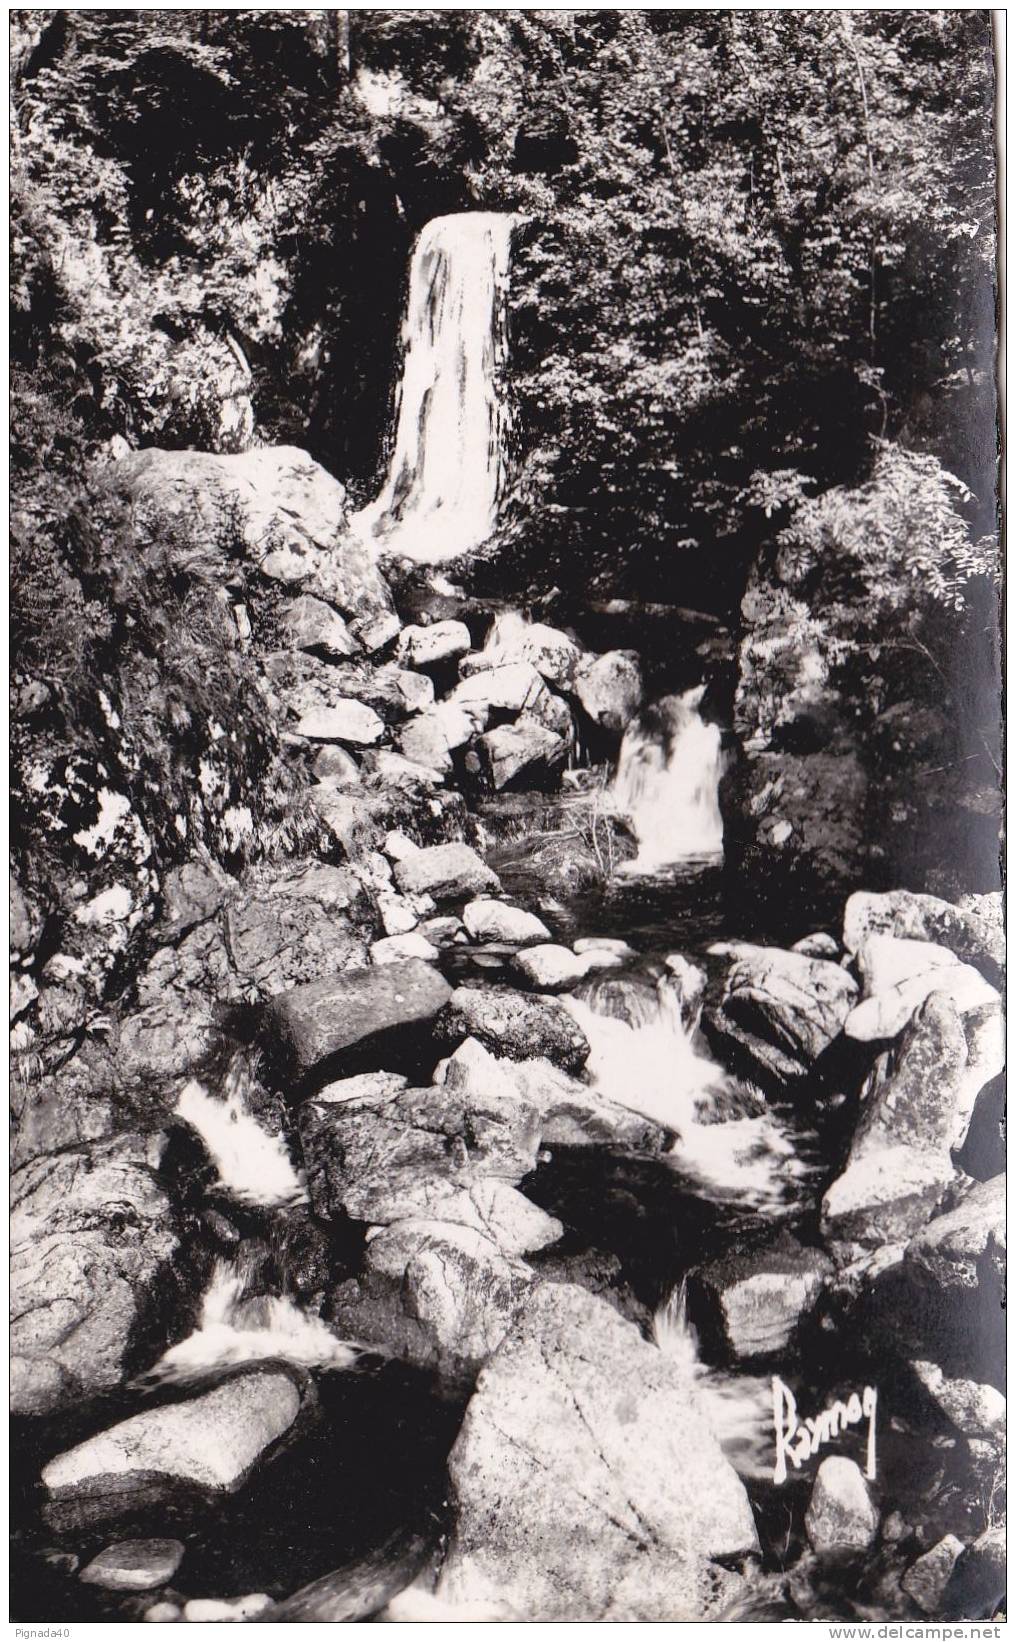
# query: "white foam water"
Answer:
x=736 y=1407
x=667 y=784
x=252 y=1165
x=446 y=474
x=234 y=1330
x=644 y=1056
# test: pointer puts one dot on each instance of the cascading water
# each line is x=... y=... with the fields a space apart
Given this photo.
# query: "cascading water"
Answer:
x=667 y=784
x=737 y=1407
x=447 y=468
x=645 y=1055
x=235 y=1328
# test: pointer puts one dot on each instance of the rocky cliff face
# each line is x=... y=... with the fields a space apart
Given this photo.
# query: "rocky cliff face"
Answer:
x=858 y=759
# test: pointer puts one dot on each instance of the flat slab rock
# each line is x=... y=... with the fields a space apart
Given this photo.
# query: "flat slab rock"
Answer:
x=347 y=1013
x=585 y=1483
x=134 y=1565
x=209 y=1442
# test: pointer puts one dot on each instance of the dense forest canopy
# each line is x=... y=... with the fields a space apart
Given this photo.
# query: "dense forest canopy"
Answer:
x=756 y=245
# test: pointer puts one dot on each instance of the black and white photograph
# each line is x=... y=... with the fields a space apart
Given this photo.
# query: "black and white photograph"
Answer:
x=506 y=762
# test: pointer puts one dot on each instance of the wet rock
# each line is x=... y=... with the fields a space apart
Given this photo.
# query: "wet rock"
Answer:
x=964 y=1250
x=926 y=1579
x=778 y=1013
x=25 y=927
x=210 y=1610
x=841 y=1519
x=91 y=1237
x=976 y=1410
x=573 y=1114
x=344 y=720
x=134 y=1565
x=753 y=1303
x=968 y=933
x=395 y=949
x=515 y=1025
x=433 y=646
x=390 y=1157
x=899 y=1163
x=334 y=764
x=208 y=1442
x=163 y=1613
x=303 y=923
x=819 y=945
x=609 y=688
x=439 y=1295
x=551 y=968
x=354 y=1013
x=604 y=943
x=897 y=975
x=488 y=920
x=310 y=624
x=574 y=1393
x=278 y=504
x=977 y=1584
x=368 y=1086
x=448 y=872
x=444 y=932
x=524 y=753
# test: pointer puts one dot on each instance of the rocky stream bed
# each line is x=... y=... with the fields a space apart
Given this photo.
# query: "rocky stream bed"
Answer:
x=425 y=1225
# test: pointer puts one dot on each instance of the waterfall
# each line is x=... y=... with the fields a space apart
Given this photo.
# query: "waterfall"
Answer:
x=667 y=784
x=235 y=1328
x=644 y=1056
x=252 y=1165
x=447 y=468
x=737 y=1407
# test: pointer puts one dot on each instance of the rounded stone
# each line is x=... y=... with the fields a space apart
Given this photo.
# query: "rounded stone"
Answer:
x=134 y=1565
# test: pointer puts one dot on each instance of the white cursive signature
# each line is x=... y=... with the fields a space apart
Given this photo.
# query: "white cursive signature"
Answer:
x=799 y=1440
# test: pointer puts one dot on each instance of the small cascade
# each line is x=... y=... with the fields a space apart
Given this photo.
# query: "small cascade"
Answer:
x=737 y=1407
x=253 y=1166
x=447 y=467
x=667 y=784
x=235 y=1328
x=643 y=1055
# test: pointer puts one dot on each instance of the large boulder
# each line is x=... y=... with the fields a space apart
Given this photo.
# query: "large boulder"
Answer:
x=586 y=1485
x=524 y=754
x=900 y=1164
x=276 y=507
x=434 y=646
x=842 y=1520
x=609 y=688
x=514 y=1025
x=92 y=1240
x=779 y=1012
x=753 y=1303
x=435 y=1293
x=897 y=975
x=211 y=1443
x=554 y=655
x=970 y=935
x=397 y=1155
x=345 y=1017
x=488 y=920
x=448 y=872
